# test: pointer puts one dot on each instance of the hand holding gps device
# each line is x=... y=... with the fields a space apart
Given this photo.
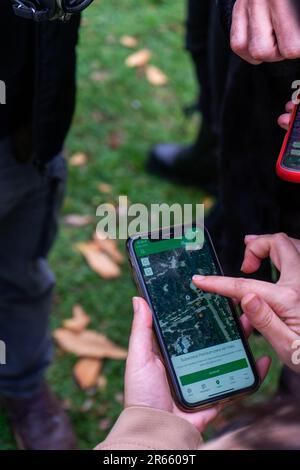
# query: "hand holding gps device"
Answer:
x=201 y=341
x=288 y=163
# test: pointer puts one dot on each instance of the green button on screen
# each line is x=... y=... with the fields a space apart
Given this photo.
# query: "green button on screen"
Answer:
x=213 y=372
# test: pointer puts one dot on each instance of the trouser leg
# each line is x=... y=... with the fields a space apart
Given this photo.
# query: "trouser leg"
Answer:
x=29 y=203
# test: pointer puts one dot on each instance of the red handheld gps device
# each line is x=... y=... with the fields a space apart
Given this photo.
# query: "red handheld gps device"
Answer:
x=288 y=163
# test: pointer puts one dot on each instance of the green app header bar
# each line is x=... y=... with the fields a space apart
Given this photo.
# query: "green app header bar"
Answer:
x=192 y=239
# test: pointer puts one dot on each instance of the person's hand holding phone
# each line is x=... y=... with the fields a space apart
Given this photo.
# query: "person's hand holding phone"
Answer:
x=273 y=309
x=285 y=118
x=265 y=30
x=145 y=378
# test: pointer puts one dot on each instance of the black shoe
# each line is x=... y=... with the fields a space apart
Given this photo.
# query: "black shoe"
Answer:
x=195 y=165
x=184 y=165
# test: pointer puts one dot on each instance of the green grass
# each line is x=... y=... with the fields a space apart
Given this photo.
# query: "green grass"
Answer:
x=126 y=104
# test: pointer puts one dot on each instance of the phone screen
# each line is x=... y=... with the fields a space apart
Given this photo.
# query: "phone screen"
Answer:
x=291 y=158
x=199 y=330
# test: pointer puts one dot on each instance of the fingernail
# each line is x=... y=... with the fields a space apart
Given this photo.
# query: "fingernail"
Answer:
x=197 y=277
x=250 y=237
x=252 y=305
x=136 y=304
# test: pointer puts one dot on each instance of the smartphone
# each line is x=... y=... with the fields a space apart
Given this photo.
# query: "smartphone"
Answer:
x=288 y=163
x=202 y=344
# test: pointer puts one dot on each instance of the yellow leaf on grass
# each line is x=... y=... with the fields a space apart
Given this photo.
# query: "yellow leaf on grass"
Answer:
x=108 y=246
x=105 y=188
x=98 y=261
x=88 y=343
x=77 y=220
x=138 y=59
x=86 y=372
x=78 y=159
x=128 y=41
x=155 y=76
x=79 y=321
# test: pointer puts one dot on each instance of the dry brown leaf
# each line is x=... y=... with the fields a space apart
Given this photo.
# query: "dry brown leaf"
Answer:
x=105 y=188
x=77 y=220
x=88 y=343
x=102 y=382
x=139 y=59
x=155 y=76
x=98 y=261
x=108 y=246
x=129 y=41
x=78 y=159
x=79 y=321
x=86 y=372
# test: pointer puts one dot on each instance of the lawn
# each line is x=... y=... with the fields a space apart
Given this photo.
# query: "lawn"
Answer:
x=119 y=117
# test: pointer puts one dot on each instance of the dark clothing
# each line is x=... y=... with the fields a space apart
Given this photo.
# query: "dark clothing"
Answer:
x=38 y=67
x=206 y=43
x=254 y=200
x=29 y=203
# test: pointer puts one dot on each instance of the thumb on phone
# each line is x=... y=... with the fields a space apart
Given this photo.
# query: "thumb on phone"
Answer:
x=264 y=319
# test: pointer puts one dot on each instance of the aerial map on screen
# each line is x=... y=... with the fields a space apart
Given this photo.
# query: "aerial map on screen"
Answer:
x=190 y=319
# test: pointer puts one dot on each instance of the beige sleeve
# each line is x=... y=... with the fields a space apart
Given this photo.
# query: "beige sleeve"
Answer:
x=148 y=428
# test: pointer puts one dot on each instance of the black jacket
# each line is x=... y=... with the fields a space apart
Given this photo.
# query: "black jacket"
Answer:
x=38 y=67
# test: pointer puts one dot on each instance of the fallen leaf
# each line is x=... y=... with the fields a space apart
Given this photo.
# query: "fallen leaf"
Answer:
x=155 y=76
x=98 y=261
x=86 y=372
x=105 y=188
x=128 y=41
x=77 y=220
x=88 y=343
x=109 y=246
x=114 y=140
x=138 y=59
x=102 y=382
x=79 y=321
x=78 y=159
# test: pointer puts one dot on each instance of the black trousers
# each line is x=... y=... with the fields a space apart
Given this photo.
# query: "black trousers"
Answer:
x=241 y=103
x=254 y=200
